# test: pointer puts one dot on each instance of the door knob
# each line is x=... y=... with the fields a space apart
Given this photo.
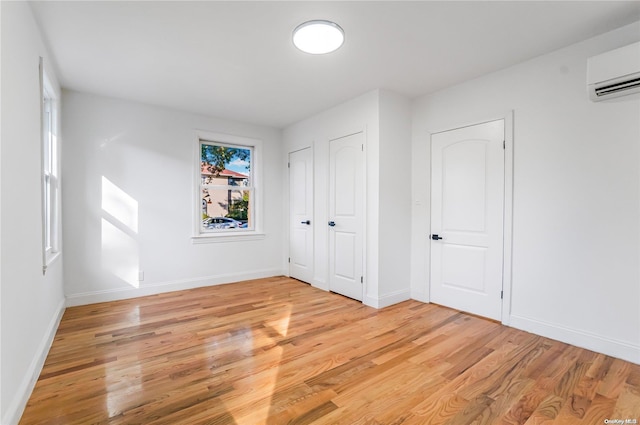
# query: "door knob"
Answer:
x=435 y=237
x=332 y=223
x=308 y=222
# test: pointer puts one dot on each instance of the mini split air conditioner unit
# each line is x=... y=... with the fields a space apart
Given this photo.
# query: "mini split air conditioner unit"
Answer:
x=615 y=73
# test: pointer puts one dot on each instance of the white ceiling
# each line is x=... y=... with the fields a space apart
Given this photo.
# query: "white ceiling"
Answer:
x=236 y=60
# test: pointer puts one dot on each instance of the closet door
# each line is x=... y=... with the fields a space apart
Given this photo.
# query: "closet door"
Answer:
x=301 y=215
x=346 y=189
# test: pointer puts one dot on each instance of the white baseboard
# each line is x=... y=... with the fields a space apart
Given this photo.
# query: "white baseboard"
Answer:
x=370 y=301
x=16 y=407
x=169 y=286
x=420 y=296
x=387 y=299
x=394 y=298
x=598 y=343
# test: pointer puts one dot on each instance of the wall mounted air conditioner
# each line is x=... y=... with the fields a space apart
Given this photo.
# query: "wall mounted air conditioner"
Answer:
x=615 y=73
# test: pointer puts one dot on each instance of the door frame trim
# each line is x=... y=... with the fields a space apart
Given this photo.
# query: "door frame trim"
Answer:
x=508 y=218
x=507 y=234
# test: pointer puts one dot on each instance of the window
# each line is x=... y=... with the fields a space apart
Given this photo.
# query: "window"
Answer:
x=50 y=173
x=227 y=186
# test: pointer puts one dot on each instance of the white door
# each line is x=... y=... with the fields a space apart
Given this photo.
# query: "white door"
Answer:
x=346 y=187
x=301 y=214
x=467 y=214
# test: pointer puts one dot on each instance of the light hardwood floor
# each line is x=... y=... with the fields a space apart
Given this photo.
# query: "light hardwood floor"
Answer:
x=277 y=351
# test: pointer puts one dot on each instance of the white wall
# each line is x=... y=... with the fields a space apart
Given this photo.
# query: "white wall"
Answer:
x=576 y=201
x=395 y=198
x=32 y=304
x=145 y=155
x=385 y=119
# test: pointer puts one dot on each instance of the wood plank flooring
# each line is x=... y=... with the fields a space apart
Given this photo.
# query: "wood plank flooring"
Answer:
x=277 y=351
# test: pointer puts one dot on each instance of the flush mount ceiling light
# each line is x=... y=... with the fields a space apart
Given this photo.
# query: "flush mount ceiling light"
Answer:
x=318 y=37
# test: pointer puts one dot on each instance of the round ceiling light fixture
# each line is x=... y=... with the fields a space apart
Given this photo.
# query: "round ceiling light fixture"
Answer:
x=318 y=37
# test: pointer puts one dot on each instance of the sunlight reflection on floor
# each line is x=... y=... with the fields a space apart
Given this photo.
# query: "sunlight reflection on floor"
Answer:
x=262 y=384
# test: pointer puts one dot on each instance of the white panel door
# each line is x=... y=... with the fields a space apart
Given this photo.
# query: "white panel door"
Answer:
x=346 y=188
x=467 y=215
x=301 y=214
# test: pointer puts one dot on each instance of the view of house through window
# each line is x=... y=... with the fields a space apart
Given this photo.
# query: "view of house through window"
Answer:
x=226 y=186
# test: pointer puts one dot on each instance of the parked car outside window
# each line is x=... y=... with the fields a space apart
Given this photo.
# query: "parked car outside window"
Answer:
x=222 y=223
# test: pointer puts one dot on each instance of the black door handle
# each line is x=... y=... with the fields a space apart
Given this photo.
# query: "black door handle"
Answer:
x=435 y=237
x=332 y=223
x=306 y=222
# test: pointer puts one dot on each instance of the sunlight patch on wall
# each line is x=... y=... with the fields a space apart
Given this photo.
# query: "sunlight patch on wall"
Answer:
x=120 y=205
x=119 y=231
x=119 y=253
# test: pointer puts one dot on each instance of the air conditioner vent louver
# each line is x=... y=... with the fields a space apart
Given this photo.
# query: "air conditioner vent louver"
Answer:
x=614 y=88
x=614 y=73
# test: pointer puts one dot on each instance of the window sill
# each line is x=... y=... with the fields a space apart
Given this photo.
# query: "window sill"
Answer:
x=221 y=237
x=52 y=258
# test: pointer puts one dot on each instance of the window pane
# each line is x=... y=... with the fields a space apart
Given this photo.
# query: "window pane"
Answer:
x=48 y=136
x=47 y=212
x=224 y=165
x=226 y=209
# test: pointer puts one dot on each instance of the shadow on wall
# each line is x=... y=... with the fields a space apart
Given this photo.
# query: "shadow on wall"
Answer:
x=120 y=252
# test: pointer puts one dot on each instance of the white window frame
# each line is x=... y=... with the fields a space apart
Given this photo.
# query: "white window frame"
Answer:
x=50 y=169
x=226 y=235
